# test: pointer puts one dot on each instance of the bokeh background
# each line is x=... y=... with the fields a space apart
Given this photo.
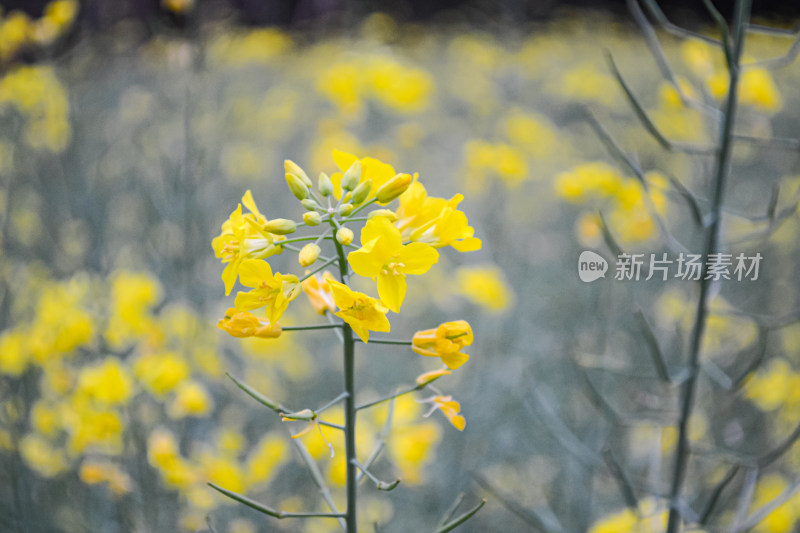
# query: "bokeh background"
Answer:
x=131 y=130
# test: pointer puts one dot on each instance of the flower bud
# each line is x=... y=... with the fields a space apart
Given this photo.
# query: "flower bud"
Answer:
x=344 y=236
x=360 y=193
x=309 y=254
x=312 y=218
x=345 y=209
x=280 y=226
x=351 y=178
x=293 y=168
x=388 y=213
x=310 y=204
x=393 y=188
x=324 y=185
x=297 y=186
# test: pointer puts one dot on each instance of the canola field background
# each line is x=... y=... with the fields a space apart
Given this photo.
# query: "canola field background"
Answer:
x=121 y=158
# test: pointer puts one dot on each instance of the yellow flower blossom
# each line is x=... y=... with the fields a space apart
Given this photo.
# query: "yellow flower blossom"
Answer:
x=361 y=312
x=14 y=353
x=265 y=457
x=271 y=291
x=435 y=221
x=243 y=238
x=161 y=372
x=485 y=286
x=109 y=383
x=430 y=377
x=446 y=342
x=319 y=292
x=191 y=399
x=372 y=169
x=384 y=258
x=42 y=456
x=93 y=472
x=243 y=324
x=451 y=409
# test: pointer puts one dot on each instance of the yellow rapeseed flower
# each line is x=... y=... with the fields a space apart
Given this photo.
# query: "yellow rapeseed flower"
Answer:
x=446 y=341
x=243 y=324
x=363 y=313
x=384 y=258
x=271 y=291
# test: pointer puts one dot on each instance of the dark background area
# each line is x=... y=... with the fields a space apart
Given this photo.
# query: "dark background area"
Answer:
x=100 y=13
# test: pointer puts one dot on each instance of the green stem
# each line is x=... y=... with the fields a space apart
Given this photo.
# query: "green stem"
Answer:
x=689 y=390
x=390 y=397
x=388 y=341
x=349 y=406
x=315 y=326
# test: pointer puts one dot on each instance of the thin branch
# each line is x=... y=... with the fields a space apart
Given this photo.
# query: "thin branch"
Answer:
x=529 y=516
x=380 y=485
x=762 y=512
x=396 y=342
x=381 y=443
x=716 y=493
x=390 y=397
x=257 y=396
x=651 y=38
x=661 y=19
x=745 y=499
x=655 y=350
x=624 y=482
x=647 y=122
x=451 y=511
x=691 y=199
x=450 y=526
x=333 y=402
x=771 y=456
x=312 y=327
x=268 y=510
x=319 y=481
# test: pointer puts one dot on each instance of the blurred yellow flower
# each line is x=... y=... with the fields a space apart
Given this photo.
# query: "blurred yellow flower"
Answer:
x=108 y=383
x=191 y=399
x=485 y=286
x=451 y=409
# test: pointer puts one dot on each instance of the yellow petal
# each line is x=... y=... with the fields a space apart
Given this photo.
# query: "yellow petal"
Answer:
x=392 y=290
x=417 y=258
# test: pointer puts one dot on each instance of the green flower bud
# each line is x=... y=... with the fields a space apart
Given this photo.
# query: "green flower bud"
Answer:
x=344 y=236
x=297 y=186
x=324 y=185
x=312 y=218
x=293 y=168
x=388 y=213
x=360 y=193
x=393 y=188
x=280 y=226
x=352 y=176
x=310 y=204
x=345 y=209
